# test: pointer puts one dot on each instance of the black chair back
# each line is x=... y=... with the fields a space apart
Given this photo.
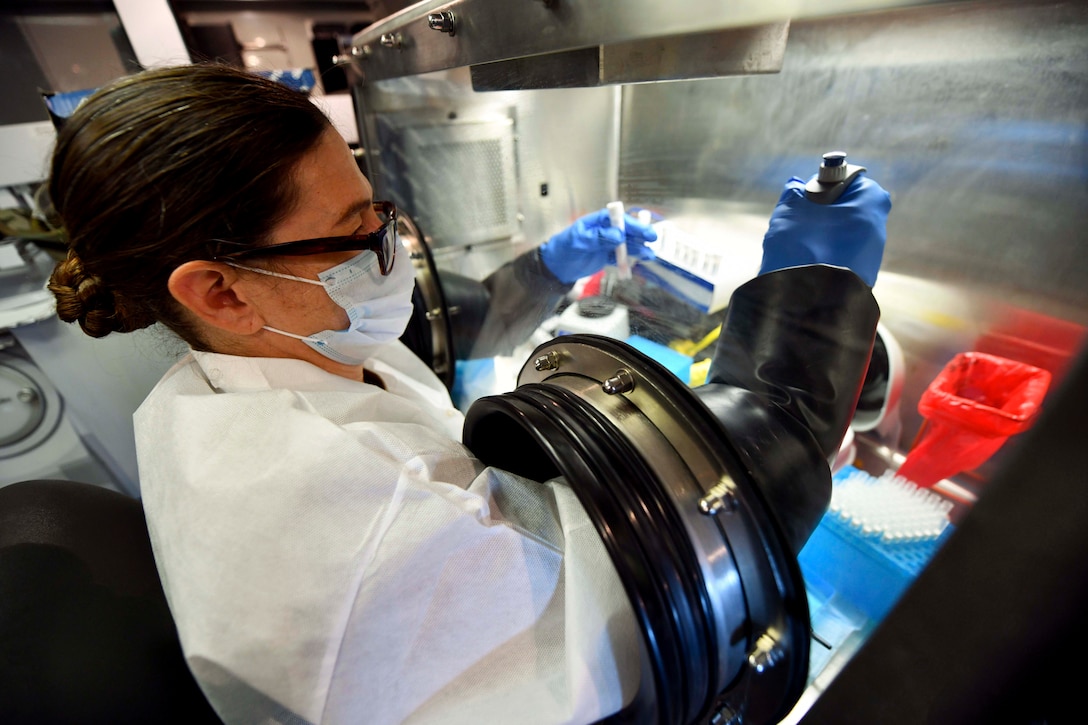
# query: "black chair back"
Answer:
x=85 y=632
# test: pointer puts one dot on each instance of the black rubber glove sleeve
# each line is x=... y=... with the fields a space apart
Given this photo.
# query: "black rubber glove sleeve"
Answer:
x=785 y=378
x=495 y=316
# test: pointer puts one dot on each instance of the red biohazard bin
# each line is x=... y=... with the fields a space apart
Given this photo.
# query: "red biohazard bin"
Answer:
x=971 y=408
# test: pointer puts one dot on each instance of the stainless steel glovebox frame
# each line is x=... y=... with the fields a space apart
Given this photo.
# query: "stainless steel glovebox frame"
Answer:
x=596 y=41
x=437 y=312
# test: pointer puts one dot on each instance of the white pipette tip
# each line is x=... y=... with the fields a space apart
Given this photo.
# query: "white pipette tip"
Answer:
x=615 y=218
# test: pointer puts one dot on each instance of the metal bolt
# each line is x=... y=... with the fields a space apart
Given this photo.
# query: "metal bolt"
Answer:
x=27 y=395
x=361 y=51
x=722 y=497
x=547 y=362
x=725 y=715
x=621 y=382
x=766 y=654
x=444 y=21
x=392 y=40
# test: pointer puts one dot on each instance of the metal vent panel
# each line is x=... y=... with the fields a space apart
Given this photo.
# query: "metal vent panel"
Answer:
x=463 y=181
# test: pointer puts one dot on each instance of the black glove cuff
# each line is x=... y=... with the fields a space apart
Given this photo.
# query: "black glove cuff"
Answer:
x=531 y=267
x=801 y=338
x=779 y=455
x=784 y=381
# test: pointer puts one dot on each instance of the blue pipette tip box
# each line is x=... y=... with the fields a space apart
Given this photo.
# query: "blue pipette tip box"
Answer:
x=863 y=569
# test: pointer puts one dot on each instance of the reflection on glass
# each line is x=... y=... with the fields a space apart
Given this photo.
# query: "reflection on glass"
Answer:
x=59 y=53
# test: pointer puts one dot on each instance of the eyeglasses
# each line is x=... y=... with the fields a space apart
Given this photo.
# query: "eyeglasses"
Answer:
x=382 y=242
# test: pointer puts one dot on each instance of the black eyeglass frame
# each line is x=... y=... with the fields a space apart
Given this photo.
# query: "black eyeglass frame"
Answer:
x=383 y=242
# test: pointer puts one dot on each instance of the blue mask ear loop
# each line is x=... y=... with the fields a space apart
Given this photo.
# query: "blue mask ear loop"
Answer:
x=282 y=276
x=270 y=273
x=304 y=338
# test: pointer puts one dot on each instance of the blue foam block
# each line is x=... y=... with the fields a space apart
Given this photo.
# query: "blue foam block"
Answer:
x=472 y=379
x=677 y=363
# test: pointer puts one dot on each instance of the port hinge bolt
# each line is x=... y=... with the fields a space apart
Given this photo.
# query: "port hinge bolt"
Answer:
x=622 y=382
x=767 y=653
x=725 y=715
x=550 y=361
x=722 y=497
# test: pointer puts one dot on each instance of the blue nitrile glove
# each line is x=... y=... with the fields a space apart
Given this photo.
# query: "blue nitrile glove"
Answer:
x=849 y=233
x=589 y=244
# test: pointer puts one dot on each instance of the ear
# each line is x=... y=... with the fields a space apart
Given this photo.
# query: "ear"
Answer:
x=216 y=294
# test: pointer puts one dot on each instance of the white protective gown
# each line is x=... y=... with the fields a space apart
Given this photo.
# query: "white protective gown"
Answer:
x=332 y=554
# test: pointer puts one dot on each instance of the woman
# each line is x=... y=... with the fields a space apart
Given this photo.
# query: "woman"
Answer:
x=330 y=551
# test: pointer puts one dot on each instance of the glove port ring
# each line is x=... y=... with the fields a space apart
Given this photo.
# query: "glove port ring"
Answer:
x=718 y=597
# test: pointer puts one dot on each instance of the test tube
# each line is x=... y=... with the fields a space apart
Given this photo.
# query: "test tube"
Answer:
x=615 y=218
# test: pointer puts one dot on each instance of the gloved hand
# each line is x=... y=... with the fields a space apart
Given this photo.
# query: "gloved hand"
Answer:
x=589 y=244
x=849 y=233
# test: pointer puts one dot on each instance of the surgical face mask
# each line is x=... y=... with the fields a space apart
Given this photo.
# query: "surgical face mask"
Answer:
x=378 y=306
